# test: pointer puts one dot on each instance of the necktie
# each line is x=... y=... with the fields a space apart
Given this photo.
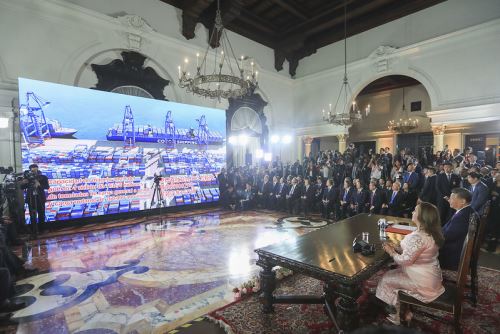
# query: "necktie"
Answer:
x=345 y=194
x=373 y=195
x=473 y=187
x=449 y=177
x=393 y=195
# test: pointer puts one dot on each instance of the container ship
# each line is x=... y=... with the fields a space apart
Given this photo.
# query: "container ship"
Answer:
x=130 y=133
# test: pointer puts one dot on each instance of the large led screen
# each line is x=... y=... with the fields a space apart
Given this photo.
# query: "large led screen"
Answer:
x=106 y=153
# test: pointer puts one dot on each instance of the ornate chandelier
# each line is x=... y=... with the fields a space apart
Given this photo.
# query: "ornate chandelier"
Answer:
x=225 y=77
x=345 y=112
x=404 y=124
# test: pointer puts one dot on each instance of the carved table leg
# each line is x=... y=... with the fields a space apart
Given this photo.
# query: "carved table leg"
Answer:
x=268 y=284
x=330 y=290
x=330 y=295
x=347 y=307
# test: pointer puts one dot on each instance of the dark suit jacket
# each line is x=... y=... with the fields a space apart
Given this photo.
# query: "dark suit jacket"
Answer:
x=362 y=201
x=396 y=207
x=296 y=192
x=331 y=195
x=443 y=187
x=376 y=199
x=412 y=180
x=266 y=188
x=349 y=196
x=309 y=193
x=428 y=193
x=479 y=197
x=454 y=232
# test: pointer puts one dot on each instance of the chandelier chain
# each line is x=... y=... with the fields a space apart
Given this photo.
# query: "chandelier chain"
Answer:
x=229 y=82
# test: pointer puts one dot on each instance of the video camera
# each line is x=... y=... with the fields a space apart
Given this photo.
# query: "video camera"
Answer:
x=157 y=179
x=30 y=176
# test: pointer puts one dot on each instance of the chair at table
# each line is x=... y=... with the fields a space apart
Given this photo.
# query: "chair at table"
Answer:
x=478 y=241
x=451 y=300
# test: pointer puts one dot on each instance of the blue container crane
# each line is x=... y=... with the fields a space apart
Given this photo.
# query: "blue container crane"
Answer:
x=169 y=130
x=202 y=131
x=128 y=127
x=32 y=118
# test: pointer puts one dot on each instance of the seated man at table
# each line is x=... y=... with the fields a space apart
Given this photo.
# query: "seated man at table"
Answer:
x=247 y=200
x=456 y=228
x=376 y=198
x=395 y=200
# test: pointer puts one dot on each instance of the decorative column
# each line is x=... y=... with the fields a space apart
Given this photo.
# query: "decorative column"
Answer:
x=342 y=137
x=438 y=137
x=307 y=143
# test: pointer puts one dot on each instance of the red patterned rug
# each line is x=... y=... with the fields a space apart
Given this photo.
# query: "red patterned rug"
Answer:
x=245 y=316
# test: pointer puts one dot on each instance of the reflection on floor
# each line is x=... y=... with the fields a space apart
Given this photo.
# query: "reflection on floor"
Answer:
x=150 y=277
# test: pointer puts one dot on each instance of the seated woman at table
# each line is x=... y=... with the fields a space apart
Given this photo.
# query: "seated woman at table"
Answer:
x=418 y=273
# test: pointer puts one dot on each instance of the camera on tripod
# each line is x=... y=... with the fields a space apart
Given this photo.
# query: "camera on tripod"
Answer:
x=157 y=179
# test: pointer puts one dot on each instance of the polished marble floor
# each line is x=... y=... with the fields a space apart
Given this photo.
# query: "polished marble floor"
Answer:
x=148 y=277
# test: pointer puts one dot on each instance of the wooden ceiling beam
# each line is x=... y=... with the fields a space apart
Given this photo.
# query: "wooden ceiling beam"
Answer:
x=258 y=22
x=291 y=7
x=326 y=12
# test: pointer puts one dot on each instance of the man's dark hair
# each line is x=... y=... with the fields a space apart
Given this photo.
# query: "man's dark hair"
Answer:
x=475 y=175
x=462 y=193
x=33 y=166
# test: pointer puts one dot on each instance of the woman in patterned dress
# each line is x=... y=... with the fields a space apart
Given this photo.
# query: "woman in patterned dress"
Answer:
x=418 y=273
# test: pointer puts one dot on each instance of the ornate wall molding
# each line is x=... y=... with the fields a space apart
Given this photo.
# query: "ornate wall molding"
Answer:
x=135 y=22
x=382 y=59
x=342 y=137
x=439 y=129
x=130 y=71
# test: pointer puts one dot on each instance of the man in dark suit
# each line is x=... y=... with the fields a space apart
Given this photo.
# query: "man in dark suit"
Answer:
x=293 y=197
x=307 y=198
x=247 y=200
x=361 y=201
x=330 y=197
x=376 y=198
x=411 y=177
x=455 y=230
x=445 y=182
x=480 y=192
x=281 y=195
x=318 y=187
x=264 y=193
x=394 y=205
x=275 y=190
x=346 y=199
x=428 y=193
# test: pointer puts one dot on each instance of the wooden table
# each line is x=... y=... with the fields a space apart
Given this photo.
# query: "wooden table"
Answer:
x=326 y=254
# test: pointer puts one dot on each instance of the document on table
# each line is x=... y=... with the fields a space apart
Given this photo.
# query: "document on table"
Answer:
x=404 y=227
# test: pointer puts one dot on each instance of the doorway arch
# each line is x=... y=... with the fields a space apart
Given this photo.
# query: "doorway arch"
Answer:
x=392 y=97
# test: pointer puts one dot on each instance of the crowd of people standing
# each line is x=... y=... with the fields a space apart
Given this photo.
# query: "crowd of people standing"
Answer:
x=340 y=185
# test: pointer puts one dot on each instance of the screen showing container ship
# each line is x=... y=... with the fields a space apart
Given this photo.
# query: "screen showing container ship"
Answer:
x=107 y=153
